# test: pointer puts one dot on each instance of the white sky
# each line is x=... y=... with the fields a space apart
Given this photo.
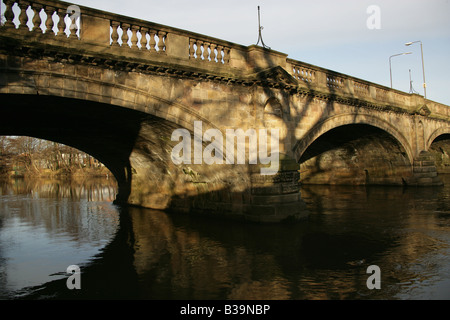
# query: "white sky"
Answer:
x=328 y=33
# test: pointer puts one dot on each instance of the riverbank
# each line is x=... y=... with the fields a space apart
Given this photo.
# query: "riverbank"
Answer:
x=101 y=172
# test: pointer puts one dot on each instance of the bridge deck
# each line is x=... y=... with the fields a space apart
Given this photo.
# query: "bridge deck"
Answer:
x=99 y=37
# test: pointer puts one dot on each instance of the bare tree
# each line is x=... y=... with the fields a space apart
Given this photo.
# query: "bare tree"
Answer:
x=34 y=155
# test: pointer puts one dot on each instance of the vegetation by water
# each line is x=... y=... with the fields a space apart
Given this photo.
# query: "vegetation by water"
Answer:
x=30 y=157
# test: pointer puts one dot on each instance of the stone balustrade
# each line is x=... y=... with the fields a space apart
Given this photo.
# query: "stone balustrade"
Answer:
x=335 y=83
x=53 y=21
x=327 y=81
x=48 y=17
x=138 y=37
x=303 y=73
x=204 y=50
x=438 y=109
x=361 y=89
x=381 y=95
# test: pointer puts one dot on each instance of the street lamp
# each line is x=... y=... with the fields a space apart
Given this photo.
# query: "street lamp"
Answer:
x=423 y=67
x=390 y=67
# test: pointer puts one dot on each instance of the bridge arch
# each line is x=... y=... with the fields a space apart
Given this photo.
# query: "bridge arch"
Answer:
x=118 y=88
x=350 y=119
x=110 y=133
x=437 y=133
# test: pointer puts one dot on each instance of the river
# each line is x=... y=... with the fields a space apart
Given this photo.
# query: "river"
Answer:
x=136 y=253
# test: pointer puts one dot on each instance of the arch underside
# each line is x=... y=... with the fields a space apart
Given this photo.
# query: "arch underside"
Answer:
x=350 y=119
x=442 y=132
x=135 y=146
x=108 y=133
x=439 y=149
x=354 y=150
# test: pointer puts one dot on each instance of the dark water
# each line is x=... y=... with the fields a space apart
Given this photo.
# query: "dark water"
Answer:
x=145 y=254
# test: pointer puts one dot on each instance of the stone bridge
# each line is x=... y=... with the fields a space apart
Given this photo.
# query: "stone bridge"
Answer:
x=119 y=88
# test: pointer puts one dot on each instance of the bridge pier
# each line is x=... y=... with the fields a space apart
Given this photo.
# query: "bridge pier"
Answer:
x=425 y=171
x=276 y=197
x=237 y=191
x=261 y=200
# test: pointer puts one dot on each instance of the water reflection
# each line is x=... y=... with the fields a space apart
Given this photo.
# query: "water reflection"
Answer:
x=89 y=189
x=400 y=230
x=325 y=258
x=155 y=255
x=45 y=226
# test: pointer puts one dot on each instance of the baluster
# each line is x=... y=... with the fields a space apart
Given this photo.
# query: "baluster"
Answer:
x=224 y=55
x=205 y=51
x=9 y=14
x=37 y=18
x=73 y=26
x=144 y=38
x=125 y=37
x=23 y=17
x=61 y=23
x=226 y=58
x=199 y=49
x=219 y=54
x=134 y=38
x=161 y=42
x=191 y=49
x=49 y=22
x=213 y=52
x=115 y=34
x=152 y=40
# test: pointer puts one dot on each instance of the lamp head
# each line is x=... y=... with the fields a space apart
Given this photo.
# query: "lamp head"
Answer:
x=408 y=43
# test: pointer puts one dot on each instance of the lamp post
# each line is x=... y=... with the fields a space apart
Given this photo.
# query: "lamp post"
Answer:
x=423 y=67
x=259 y=31
x=390 y=65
